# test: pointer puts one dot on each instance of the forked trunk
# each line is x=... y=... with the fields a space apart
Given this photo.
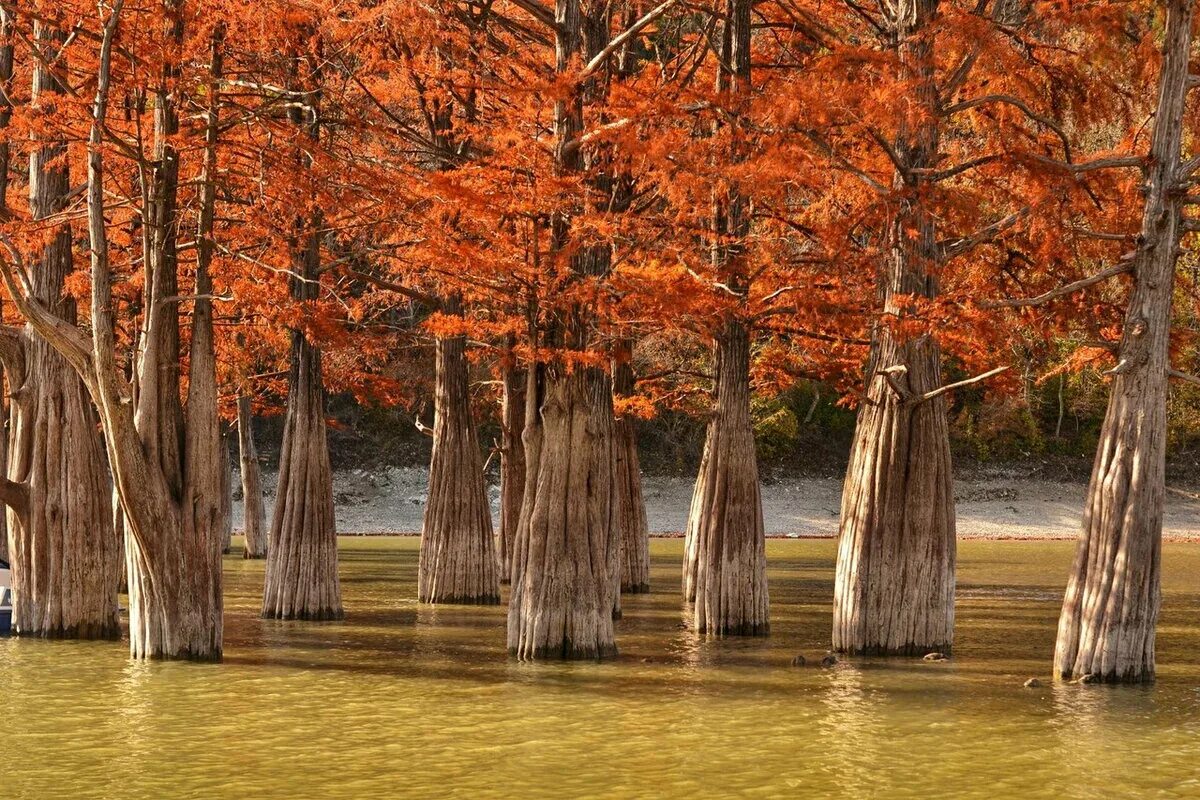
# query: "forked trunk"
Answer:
x=725 y=563
x=630 y=509
x=562 y=586
x=253 y=509
x=62 y=549
x=1111 y=606
x=458 y=556
x=512 y=461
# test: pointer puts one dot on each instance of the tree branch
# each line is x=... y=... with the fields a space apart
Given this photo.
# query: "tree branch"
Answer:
x=960 y=384
x=1124 y=266
x=619 y=40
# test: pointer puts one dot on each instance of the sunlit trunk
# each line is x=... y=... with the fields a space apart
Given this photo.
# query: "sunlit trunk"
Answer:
x=253 y=510
x=458 y=556
x=1107 y=627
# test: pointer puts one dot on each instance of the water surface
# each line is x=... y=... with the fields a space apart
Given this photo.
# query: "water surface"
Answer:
x=404 y=700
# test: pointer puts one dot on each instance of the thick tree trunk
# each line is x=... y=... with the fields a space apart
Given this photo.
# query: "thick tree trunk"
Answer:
x=894 y=589
x=62 y=548
x=253 y=509
x=630 y=509
x=725 y=563
x=894 y=586
x=458 y=556
x=512 y=461
x=302 y=562
x=562 y=586
x=173 y=547
x=1106 y=630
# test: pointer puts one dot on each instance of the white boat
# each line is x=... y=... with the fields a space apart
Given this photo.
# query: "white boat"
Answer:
x=5 y=599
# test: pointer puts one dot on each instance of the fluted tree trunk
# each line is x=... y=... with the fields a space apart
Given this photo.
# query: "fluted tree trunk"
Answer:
x=894 y=585
x=512 y=460
x=458 y=556
x=253 y=508
x=302 y=560
x=630 y=511
x=725 y=568
x=564 y=581
x=1107 y=627
x=226 y=499
x=62 y=549
x=725 y=562
x=171 y=508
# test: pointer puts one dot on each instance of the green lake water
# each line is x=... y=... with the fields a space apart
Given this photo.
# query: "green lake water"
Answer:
x=405 y=700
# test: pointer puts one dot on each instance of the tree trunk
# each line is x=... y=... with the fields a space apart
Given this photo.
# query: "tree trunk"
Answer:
x=253 y=510
x=302 y=561
x=62 y=548
x=562 y=582
x=512 y=461
x=630 y=510
x=1107 y=626
x=173 y=547
x=458 y=556
x=725 y=563
x=226 y=523
x=894 y=586
x=894 y=589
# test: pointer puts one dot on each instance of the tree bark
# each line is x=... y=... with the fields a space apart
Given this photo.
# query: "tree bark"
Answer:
x=725 y=563
x=564 y=579
x=512 y=460
x=894 y=585
x=458 y=556
x=226 y=499
x=254 y=512
x=630 y=510
x=562 y=596
x=62 y=548
x=302 y=561
x=1107 y=626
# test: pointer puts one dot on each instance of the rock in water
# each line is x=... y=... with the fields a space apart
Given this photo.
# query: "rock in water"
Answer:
x=799 y=661
x=935 y=657
x=1032 y=683
x=829 y=660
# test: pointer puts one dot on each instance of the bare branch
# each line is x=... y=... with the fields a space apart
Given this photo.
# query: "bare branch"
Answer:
x=1125 y=265
x=950 y=387
x=619 y=40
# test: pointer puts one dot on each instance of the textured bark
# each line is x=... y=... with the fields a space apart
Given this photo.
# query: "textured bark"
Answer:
x=62 y=548
x=630 y=509
x=458 y=555
x=302 y=563
x=512 y=461
x=562 y=595
x=894 y=586
x=564 y=578
x=226 y=499
x=725 y=563
x=254 y=511
x=1107 y=626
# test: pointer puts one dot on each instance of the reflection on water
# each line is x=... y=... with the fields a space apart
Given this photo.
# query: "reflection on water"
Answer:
x=408 y=700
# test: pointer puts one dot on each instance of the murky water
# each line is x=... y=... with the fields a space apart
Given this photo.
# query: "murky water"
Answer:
x=413 y=701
